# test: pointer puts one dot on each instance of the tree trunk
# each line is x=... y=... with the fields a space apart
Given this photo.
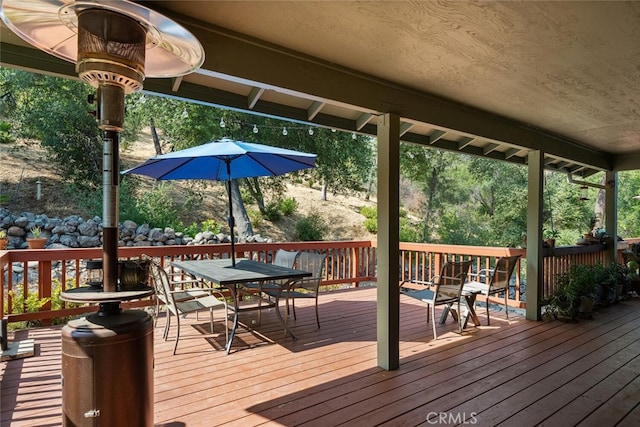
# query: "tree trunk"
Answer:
x=243 y=223
x=599 y=208
x=323 y=192
x=156 y=140
x=253 y=185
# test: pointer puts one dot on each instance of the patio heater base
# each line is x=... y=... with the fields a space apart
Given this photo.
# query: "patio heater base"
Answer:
x=107 y=370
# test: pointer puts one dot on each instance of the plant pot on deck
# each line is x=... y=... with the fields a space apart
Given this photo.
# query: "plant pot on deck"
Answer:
x=586 y=307
x=36 y=243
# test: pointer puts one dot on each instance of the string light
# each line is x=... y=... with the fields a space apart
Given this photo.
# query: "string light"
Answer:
x=185 y=114
x=256 y=129
x=353 y=135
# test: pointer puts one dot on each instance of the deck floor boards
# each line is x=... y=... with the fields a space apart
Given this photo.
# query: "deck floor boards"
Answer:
x=512 y=373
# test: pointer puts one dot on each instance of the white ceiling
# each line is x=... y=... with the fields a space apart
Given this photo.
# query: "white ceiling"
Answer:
x=493 y=78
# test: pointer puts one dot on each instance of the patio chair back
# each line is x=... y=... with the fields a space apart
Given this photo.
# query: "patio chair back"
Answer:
x=450 y=281
x=309 y=286
x=502 y=274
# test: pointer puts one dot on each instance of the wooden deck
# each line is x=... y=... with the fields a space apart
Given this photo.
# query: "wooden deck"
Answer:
x=516 y=373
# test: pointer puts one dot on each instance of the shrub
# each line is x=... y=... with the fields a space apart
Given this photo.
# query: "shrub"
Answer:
x=255 y=217
x=271 y=212
x=206 y=225
x=5 y=133
x=370 y=212
x=371 y=224
x=311 y=228
x=288 y=206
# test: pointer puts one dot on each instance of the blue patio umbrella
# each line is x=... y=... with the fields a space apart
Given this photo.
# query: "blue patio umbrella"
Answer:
x=225 y=160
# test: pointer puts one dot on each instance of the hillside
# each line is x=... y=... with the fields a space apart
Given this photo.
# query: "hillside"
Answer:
x=25 y=163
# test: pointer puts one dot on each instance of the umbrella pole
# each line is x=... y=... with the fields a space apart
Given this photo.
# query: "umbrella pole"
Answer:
x=231 y=220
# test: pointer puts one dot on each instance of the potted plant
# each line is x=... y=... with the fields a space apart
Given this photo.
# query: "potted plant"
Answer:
x=36 y=242
x=550 y=237
x=574 y=296
x=4 y=242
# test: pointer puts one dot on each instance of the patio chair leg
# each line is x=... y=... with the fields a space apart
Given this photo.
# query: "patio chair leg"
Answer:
x=175 y=346
x=435 y=334
x=165 y=335
x=506 y=307
x=317 y=316
x=488 y=318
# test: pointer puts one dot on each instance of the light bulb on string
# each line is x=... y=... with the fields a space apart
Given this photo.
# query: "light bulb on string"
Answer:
x=334 y=130
x=185 y=114
x=284 y=131
x=311 y=131
x=353 y=135
x=222 y=123
x=255 y=129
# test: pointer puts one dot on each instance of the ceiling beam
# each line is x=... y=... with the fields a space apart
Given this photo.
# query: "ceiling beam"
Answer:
x=405 y=127
x=254 y=95
x=314 y=109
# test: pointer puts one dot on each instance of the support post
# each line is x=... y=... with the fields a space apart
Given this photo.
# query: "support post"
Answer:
x=388 y=291
x=534 y=234
x=611 y=216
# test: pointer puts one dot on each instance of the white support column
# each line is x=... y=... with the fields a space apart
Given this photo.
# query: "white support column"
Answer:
x=611 y=216
x=388 y=304
x=534 y=234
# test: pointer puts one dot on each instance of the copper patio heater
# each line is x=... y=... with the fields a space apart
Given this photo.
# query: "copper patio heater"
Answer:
x=107 y=357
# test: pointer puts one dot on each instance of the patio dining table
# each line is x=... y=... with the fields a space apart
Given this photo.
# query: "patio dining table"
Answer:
x=221 y=272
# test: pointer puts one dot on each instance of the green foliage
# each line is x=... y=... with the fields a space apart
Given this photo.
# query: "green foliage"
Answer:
x=409 y=232
x=31 y=304
x=369 y=211
x=311 y=228
x=5 y=133
x=206 y=225
x=371 y=224
x=54 y=110
x=271 y=212
x=288 y=206
x=158 y=206
x=256 y=218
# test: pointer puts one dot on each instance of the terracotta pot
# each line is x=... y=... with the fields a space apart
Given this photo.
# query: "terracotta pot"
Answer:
x=36 y=243
x=3 y=244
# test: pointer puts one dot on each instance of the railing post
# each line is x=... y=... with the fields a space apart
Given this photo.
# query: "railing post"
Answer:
x=44 y=285
x=4 y=345
x=355 y=264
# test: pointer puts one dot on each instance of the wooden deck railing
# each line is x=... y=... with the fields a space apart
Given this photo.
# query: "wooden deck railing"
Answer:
x=32 y=276
x=348 y=262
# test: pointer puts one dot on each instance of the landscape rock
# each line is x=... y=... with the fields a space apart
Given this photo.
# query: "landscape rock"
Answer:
x=74 y=232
